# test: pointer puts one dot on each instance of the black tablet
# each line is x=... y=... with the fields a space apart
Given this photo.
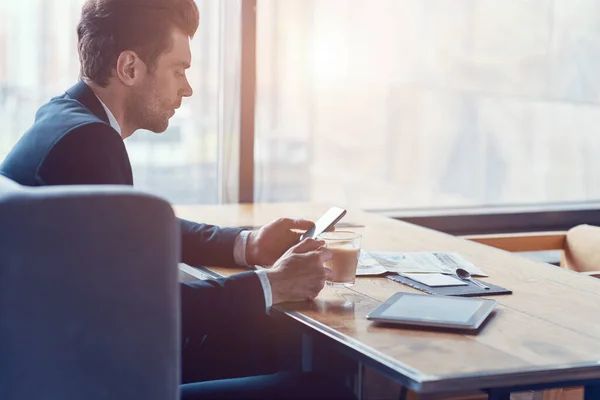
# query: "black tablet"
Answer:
x=433 y=311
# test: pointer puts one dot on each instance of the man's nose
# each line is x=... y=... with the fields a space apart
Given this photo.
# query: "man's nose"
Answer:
x=187 y=90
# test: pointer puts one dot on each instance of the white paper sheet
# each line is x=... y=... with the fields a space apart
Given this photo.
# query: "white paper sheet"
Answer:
x=377 y=263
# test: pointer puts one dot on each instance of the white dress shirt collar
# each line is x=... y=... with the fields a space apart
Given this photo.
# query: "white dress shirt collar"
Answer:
x=111 y=118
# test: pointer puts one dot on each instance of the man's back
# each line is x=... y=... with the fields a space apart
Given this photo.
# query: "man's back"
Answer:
x=70 y=142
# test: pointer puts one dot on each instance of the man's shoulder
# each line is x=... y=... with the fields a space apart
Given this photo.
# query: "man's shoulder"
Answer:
x=63 y=113
x=63 y=121
x=64 y=118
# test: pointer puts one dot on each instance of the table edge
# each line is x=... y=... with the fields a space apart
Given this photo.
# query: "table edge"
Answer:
x=425 y=383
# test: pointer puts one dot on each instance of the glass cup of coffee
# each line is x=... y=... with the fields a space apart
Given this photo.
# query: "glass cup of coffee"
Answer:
x=345 y=249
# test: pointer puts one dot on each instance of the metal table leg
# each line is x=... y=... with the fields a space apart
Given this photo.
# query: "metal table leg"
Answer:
x=360 y=389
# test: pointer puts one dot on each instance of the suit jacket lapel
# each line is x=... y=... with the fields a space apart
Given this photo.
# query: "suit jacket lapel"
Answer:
x=83 y=94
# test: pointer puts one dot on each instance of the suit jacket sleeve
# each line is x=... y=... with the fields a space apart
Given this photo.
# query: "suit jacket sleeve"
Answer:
x=94 y=154
x=212 y=306
x=203 y=244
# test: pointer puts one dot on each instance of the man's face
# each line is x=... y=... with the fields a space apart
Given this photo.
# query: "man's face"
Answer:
x=160 y=91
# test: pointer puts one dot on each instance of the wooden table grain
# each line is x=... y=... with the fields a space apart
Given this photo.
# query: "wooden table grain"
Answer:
x=546 y=333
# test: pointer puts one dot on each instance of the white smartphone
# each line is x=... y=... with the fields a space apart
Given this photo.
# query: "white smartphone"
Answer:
x=327 y=220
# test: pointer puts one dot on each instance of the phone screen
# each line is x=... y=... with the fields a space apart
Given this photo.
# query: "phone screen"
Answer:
x=327 y=220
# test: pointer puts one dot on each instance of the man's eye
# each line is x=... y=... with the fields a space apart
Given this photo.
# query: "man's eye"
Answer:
x=179 y=73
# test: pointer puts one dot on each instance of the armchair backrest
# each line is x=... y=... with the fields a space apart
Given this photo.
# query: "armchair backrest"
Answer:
x=89 y=295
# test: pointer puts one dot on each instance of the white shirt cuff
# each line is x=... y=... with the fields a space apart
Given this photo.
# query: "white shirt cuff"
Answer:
x=239 y=256
x=266 y=285
x=239 y=248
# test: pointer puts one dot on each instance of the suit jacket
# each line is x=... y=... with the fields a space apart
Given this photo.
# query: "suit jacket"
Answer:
x=71 y=142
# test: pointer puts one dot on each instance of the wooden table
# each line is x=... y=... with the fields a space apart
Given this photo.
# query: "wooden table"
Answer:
x=546 y=334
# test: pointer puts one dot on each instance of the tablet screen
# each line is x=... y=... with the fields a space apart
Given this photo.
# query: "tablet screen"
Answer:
x=432 y=308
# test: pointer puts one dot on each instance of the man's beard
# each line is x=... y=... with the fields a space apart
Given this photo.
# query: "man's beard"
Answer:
x=143 y=108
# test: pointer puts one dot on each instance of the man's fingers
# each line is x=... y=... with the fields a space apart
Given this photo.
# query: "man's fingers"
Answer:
x=313 y=262
x=294 y=237
x=300 y=224
x=319 y=255
x=326 y=254
x=314 y=258
x=317 y=289
x=307 y=245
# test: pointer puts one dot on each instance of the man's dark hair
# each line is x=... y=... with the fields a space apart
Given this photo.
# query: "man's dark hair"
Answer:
x=109 y=27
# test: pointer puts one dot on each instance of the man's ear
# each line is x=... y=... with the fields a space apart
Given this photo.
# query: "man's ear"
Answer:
x=129 y=67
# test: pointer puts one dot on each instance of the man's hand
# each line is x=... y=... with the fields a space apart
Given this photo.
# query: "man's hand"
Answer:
x=267 y=244
x=299 y=274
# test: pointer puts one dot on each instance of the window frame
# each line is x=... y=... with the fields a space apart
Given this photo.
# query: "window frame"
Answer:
x=247 y=101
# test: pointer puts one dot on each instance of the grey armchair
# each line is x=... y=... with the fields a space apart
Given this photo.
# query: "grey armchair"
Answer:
x=89 y=295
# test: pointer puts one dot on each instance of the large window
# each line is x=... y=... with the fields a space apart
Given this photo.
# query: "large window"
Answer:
x=373 y=104
x=191 y=161
x=426 y=103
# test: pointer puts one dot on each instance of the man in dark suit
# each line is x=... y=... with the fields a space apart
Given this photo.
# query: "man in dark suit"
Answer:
x=134 y=54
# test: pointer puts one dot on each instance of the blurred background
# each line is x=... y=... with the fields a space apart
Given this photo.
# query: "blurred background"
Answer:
x=374 y=104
